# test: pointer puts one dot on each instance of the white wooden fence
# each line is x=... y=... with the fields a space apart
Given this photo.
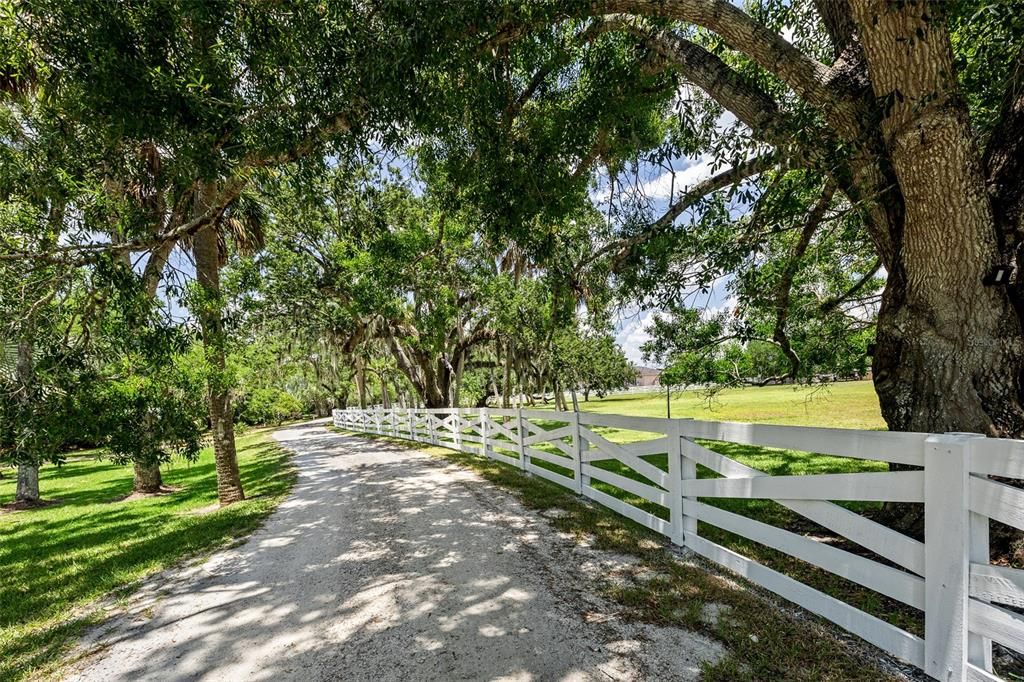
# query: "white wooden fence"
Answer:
x=948 y=577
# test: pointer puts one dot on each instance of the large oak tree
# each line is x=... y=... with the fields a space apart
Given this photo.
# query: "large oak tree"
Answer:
x=873 y=101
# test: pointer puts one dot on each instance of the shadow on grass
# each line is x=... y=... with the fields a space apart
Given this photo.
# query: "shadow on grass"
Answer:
x=58 y=558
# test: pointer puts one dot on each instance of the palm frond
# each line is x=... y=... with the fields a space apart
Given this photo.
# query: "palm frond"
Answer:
x=245 y=224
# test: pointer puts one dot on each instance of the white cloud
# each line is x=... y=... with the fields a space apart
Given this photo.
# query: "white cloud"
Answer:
x=726 y=306
x=632 y=334
x=662 y=186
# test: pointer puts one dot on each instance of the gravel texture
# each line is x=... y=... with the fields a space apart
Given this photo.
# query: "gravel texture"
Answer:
x=387 y=564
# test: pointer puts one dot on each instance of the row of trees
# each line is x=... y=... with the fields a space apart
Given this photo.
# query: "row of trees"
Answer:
x=421 y=303
x=862 y=161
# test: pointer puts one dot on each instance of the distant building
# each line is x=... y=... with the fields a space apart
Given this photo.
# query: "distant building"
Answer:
x=647 y=376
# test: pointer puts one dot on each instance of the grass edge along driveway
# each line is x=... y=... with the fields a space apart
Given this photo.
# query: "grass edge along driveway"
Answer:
x=60 y=562
x=766 y=639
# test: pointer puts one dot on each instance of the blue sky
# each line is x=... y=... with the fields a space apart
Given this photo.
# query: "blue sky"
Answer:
x=657 y=185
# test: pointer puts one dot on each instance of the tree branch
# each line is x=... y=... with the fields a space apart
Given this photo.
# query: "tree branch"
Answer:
x=834 y=302
x=785 y=287
x=806 y=76
x=687 y=199
x=750 y=104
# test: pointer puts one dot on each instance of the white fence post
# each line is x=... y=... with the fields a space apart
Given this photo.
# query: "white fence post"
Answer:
x=979 y=649
x=689 y=473
x=676 y=474
x=521 y=434
x=947 y=552
x=457 y=426
x=577 y=453
x=483 y=432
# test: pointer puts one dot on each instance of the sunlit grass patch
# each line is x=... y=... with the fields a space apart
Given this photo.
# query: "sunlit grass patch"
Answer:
x=844 y=405
x=57 y=560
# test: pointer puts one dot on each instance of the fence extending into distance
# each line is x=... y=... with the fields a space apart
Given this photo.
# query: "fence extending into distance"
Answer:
x=948 y=577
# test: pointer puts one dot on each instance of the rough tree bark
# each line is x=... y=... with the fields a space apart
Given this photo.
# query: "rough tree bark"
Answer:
x=506 y=386
x=949 y=353
x=206 y=252
x=147 y=478
x=361 y=381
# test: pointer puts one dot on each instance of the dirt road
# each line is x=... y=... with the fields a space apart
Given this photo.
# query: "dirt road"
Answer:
x=385 y=564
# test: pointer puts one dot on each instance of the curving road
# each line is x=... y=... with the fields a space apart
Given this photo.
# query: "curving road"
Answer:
x=385 y=564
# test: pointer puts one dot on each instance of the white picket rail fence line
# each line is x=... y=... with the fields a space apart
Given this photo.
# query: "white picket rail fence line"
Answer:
x=948 y=576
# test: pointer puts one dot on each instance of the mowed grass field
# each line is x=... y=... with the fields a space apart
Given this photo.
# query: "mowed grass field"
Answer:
x=844 y=405
x=57 y=561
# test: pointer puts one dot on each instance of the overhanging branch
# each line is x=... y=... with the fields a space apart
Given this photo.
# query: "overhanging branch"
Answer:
x=731 y=176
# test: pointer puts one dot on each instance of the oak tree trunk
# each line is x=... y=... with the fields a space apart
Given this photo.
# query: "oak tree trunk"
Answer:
x=361 y=381
x=506 y=387
x=205 y=250
x=460 y=366
x=147 y=477
x=949 y=349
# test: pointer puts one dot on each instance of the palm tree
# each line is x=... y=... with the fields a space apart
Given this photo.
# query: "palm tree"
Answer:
x=242 y=221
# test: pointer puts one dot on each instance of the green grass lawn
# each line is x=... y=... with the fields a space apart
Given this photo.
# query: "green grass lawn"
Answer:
x=57 y=561
x=843 y=405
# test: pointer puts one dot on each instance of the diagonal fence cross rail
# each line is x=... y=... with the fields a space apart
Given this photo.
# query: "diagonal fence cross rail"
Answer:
x=967 y=602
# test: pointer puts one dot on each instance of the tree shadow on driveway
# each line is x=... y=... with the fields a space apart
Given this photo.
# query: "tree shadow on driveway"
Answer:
x=382 y=565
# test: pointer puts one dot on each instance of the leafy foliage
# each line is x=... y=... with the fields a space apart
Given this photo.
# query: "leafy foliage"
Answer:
x=590 y=362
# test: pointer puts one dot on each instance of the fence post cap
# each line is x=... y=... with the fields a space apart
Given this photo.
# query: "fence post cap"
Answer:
x=953 y=437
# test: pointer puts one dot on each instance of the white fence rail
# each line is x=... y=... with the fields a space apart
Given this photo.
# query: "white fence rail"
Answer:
x=948 y=577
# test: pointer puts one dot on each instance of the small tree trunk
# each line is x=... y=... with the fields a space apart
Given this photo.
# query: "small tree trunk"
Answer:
x=27 y=489
x=229 y=483
x=28 y=484
x=506 y=389
x=146 y=475
x=460 y=366
x=205 y=250
x=147 y=478
x=361 y=381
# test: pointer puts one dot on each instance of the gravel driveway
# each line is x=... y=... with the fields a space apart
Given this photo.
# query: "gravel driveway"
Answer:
x=386 y=564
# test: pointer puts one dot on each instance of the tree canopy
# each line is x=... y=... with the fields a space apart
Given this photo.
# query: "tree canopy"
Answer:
x=293 y=207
